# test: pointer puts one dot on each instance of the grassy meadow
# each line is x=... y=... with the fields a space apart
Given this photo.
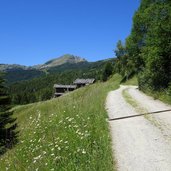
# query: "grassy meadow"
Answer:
x=69 y=133
x=132 y=81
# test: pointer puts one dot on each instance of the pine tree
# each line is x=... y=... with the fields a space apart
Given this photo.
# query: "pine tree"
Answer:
x=107 y=71
x=8 y=135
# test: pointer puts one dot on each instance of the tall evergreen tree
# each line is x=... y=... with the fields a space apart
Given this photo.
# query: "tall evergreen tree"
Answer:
x=8 y=135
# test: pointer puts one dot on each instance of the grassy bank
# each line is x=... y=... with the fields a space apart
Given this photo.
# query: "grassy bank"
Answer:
x=133 y=81
x=68 y=133
x=161 y=95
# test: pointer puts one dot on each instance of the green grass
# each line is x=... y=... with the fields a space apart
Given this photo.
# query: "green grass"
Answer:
x=65 y=134
x=161 y=95
x=132 y=81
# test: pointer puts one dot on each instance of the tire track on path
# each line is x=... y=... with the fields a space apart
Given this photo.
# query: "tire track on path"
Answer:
x=138 y=144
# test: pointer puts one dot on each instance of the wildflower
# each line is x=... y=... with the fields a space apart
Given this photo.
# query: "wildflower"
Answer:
x=38 y=157
x=70 y=119
x=83 y=151
x=38 y=115
x=60 y=121
x=44 y=152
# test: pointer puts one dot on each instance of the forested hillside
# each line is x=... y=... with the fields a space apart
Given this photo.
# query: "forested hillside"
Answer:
x=41 y=88
x=147 y=50
x=16 y=73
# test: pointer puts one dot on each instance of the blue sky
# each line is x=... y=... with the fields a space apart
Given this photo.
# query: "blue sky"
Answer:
x=34 y=31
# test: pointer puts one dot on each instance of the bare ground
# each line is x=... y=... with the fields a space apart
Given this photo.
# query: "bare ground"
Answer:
x=140 y=143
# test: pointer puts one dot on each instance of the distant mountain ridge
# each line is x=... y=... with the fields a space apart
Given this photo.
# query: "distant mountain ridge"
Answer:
x=7 y=67
x=69 y=64
x=65 y=59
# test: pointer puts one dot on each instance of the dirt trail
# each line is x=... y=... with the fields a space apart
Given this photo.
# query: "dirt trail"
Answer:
x=140 y=143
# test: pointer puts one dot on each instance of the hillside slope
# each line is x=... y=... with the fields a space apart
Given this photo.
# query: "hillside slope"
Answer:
x=68 y=133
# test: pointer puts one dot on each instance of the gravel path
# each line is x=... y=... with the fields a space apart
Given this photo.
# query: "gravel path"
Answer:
x=139 y=143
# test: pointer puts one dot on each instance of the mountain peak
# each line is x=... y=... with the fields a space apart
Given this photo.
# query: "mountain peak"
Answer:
x=67 y=58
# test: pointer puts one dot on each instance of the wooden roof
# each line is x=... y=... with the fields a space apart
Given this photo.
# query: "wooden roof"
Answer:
x=65 y=86
x=84 y=81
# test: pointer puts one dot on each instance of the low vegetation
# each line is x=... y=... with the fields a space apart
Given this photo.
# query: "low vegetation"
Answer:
x=132 y=81
x=163 y=95
x=67 y=133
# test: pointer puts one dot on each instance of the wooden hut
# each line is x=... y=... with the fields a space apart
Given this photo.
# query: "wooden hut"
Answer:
x=83 y=82
x=62 y=89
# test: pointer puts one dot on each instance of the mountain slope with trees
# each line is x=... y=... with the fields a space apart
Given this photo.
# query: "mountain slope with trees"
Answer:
x=41 y=88
x=65 y=63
